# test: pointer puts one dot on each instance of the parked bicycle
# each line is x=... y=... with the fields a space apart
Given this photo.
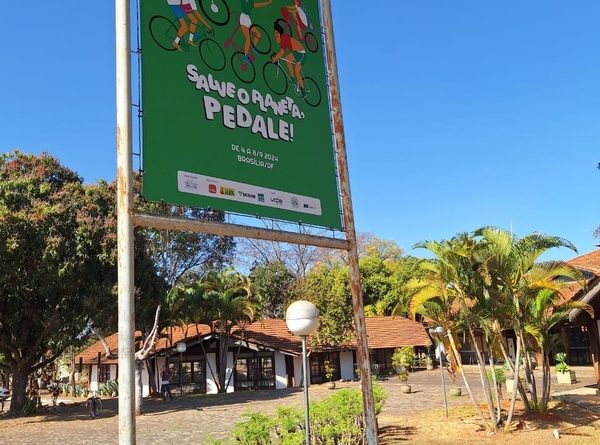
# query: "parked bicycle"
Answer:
x=94 y=405
x=164 y=33
x=277 y=80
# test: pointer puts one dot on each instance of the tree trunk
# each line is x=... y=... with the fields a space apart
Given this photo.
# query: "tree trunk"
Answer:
x=511 y=368
x=546 y=380
x=19 y=390
x=467 y=386
x=139 y=399
x=534 y=405
x=497 y=388
x=151 y=376
x=485 y=383
x=223 y=349
x=513 y=399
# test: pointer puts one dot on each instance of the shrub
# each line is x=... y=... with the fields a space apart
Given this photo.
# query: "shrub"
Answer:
x=337 y=419
x=255 y=430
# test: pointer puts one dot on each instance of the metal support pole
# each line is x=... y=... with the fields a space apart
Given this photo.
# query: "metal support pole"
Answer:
x=125 y=227
x=180 y=374
x=357 y=303
x=305 y=381
x=443 y=383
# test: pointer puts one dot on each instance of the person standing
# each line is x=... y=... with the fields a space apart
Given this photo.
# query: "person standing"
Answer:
x=165 y=382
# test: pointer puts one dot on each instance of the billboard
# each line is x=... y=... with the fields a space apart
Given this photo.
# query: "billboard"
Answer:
x=235 y=108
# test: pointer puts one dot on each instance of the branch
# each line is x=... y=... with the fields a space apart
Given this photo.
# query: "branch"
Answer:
x=143 y=353
x=107 y=352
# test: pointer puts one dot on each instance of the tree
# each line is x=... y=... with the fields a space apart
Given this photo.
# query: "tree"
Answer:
x=512 y=275
x=177 y=253
x=273 y=287
x=57 y=252
x=329 y=289
x=220 y=299
x=544 y=311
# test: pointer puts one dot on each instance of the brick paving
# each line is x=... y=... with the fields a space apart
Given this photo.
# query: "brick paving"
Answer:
x=192 y=418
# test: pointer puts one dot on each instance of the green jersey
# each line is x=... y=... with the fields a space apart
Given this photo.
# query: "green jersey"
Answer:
x=247 y=6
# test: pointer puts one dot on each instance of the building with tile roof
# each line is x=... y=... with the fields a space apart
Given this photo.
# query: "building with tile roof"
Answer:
x=264 y=354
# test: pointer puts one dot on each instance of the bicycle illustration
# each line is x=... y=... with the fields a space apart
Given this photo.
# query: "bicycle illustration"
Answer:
x=295 y=21
x=164 y=33
x=243 y=64
x=216 y=11
x=94 y=405
x=277 y=80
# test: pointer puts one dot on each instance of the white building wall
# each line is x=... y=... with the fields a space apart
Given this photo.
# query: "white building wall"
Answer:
x=280 y=371
x=145 y=380
x=113 y=372
x=298 y=372
x=346 y=365
x=94 y=378
x=211 y=386
x=160 y=361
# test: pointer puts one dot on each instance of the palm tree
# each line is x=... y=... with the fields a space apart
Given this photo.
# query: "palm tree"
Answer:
x=447 y=281
x=510 y=274
x=221 y=300
x=544 y=312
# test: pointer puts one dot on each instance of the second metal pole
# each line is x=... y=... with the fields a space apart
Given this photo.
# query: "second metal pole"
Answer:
x=362 y=345
x=305 y=379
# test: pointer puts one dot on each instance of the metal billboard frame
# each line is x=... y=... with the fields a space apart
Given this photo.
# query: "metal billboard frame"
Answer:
x=127 y=220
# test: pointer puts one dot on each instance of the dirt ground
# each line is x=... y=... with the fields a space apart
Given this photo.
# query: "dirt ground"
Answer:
x=574 y=425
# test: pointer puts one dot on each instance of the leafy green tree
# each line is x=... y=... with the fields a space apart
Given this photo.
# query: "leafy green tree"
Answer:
x=56 y=251
x=176 y=253
x=274 y=287
x=328 y=288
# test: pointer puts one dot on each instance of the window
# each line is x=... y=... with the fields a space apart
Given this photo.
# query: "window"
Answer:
x=383 y=359
x=317 y=366
x=255 y=371
x=193 y=374
x=103 y=373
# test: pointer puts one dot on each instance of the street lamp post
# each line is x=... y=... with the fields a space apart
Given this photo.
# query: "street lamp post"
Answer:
x=438 y=334
x=181 y=347
x=302 y=319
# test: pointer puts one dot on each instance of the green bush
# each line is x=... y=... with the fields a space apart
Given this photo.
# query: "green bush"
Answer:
x=255 y=430
x=336 y=420
x=500 y=376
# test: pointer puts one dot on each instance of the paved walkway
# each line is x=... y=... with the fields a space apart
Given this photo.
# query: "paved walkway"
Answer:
x=190 y=419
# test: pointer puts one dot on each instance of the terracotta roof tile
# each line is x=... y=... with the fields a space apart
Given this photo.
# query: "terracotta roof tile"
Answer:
x=589 y=261
x=382 y=332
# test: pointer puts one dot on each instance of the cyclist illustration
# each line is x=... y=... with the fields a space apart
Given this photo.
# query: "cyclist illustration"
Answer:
x=298 y=11
x=189 y=9
x=246 y=24
x=293 y=52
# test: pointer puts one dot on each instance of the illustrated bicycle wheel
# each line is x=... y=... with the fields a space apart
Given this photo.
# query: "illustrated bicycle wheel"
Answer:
x=212 y=54
x=312 y=93
x=216 y=11
x=242 y=67
x=275 y=78
x=263 y=46
x=163 y=32
x=287 y=29
x=312 y=44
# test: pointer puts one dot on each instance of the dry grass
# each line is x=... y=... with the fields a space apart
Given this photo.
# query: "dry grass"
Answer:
x=575 y=425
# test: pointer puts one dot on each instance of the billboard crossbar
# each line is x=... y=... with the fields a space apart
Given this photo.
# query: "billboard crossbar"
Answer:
x=228 y=229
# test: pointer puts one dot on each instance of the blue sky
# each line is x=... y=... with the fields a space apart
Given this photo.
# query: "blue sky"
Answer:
x=458 y=114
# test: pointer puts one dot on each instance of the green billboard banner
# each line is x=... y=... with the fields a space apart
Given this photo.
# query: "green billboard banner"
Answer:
x=235 y=108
